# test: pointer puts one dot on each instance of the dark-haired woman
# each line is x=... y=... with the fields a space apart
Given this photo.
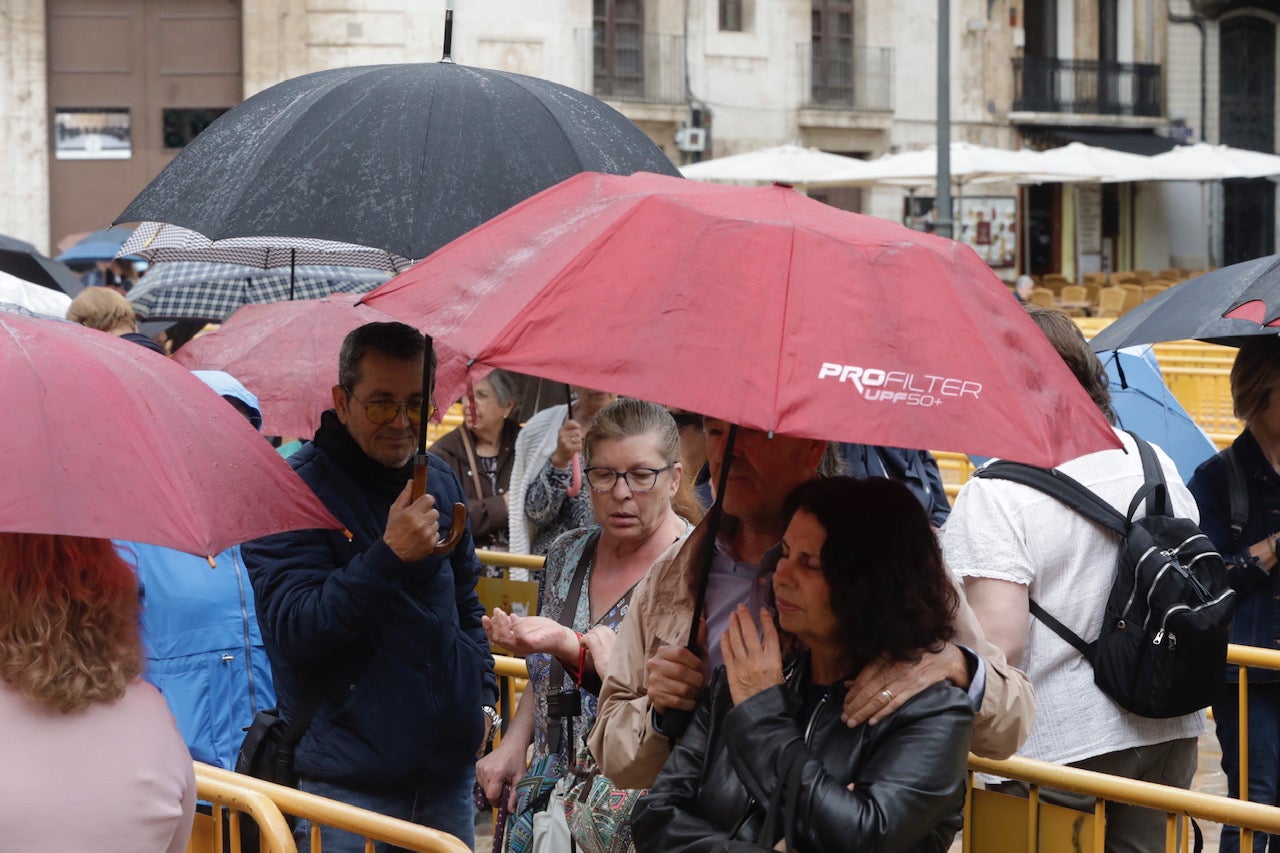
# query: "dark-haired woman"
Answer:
x=767 y=755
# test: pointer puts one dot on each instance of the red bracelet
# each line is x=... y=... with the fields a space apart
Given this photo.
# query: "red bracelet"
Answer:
x=582 y=660
x=570 y=665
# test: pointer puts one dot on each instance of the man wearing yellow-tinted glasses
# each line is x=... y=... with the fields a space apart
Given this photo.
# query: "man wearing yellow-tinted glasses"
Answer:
x=376 y=633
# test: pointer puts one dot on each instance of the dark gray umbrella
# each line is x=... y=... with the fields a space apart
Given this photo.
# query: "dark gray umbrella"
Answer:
x=22 y=260
x=400 y=157
x=1221 y=306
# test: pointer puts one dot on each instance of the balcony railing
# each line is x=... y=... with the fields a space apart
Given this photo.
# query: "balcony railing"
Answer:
x=845 y=76
x=633 y=66
x=1085 y=86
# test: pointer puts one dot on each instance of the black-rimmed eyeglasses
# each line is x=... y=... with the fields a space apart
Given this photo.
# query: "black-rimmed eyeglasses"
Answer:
x=637 y=479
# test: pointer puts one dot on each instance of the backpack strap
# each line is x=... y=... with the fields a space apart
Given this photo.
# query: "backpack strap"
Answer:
x=1155 y=491
x=1237 y=492
x=1056 y=484
x=1061 y=630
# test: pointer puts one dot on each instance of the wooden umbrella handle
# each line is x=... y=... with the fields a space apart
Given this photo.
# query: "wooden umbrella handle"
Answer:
x=457 y=523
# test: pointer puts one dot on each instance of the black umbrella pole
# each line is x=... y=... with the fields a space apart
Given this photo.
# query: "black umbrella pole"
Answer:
x=676 y=720
x=448 y=32
x=424 y=415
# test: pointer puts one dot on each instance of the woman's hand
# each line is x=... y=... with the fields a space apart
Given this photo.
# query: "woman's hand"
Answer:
x=599 y=642
x=504 y=765
x=752 y=656
x=568 y=442
x=526 y=635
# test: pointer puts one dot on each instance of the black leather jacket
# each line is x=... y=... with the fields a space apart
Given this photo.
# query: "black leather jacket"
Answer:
x=908 y=774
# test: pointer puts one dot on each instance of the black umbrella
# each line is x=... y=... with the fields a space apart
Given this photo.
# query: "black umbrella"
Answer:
x=1222 y=306
x=400 y=157
x=22 y=260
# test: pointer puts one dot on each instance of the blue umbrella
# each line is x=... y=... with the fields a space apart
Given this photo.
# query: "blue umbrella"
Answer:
x=1144 y=404
x=98 y=246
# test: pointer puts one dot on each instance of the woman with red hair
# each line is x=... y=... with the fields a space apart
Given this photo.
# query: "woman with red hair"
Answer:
x=92 y=757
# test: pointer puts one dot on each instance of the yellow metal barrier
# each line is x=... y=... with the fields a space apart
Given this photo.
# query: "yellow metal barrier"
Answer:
x=999 y=822
x=232 y=797
x=503 y=560
x=371 y=825
x=996 y=821
x=1027 y=836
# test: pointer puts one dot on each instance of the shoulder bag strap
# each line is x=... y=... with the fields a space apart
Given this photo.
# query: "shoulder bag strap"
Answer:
x=1237 y=492
x=567 y=617
x=471 y=460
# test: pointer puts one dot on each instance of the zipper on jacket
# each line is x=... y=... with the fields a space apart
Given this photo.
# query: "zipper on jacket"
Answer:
x=813 y=718
x=248 y=643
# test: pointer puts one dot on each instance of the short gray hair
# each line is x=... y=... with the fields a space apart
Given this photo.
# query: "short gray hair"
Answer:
x=506 y=386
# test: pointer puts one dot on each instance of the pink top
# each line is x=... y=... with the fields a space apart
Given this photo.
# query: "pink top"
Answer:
x=114 y=777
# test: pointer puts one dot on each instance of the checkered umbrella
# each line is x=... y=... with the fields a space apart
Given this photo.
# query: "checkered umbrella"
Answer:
x=160 y=242
x=208 y=291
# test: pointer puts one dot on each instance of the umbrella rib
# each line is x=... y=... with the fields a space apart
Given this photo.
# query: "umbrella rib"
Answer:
x=786 y=303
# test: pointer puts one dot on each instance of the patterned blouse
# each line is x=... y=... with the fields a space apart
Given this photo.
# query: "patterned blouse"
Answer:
x=557 y=577
x=549 y=509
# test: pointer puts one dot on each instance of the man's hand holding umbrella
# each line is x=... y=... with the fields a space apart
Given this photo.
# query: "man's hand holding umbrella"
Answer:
x=413 y=526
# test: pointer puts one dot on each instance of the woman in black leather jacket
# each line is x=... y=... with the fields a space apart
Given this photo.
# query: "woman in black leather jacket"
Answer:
x=767 y=760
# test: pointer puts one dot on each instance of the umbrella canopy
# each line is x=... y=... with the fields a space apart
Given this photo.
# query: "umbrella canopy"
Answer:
x=22 y=260
x=1205 y=162
x=1220 y=307
x=103 y=438
x=1144 y=404
x=213 y=292
x=1089 y=163
x=756 y=305
x=789 y=164
x=969 y=163
x=32 y=297
x=158 y=243
x=401 y=157
x=97 y=246
x=287 y=352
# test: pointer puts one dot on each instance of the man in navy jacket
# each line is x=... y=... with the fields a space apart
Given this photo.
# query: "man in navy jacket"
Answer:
x=387 y=634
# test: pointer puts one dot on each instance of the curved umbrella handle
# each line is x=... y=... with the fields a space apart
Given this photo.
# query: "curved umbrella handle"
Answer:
x=575 y=483
x=457 y=524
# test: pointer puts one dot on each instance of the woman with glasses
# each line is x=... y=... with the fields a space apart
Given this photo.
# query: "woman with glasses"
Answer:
x=633 y=474
x=482 y=453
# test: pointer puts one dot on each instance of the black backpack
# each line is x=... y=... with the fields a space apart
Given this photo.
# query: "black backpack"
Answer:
x=1163 y=647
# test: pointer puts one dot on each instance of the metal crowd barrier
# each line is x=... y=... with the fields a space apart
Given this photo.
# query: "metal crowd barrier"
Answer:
x=246 y=794
x=995 y=821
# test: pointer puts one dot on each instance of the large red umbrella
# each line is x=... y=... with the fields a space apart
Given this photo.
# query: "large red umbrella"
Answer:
x=286 y=353
x=100 y=437
x=755 y=305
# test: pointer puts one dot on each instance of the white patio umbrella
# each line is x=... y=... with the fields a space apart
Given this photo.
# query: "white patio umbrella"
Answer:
x=1205 y=162
x=789 y=164
x=969 y=164
x=1077 y=162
